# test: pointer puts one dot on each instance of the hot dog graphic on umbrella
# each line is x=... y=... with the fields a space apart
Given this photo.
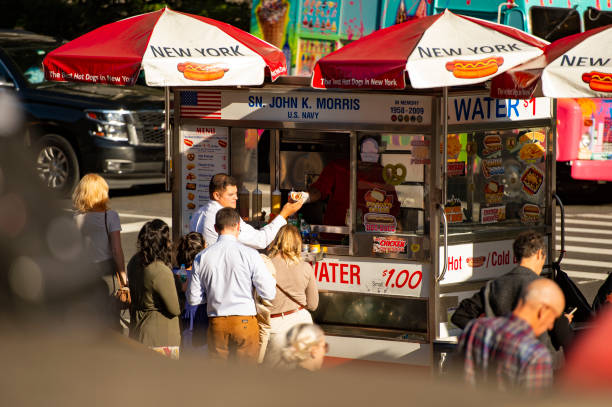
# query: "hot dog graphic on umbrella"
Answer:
x=598 y=81
x=202 y=72
x=479 y=68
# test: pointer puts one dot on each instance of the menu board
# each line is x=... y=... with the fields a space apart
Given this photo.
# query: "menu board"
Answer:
x=502 y=179
x=204 y=153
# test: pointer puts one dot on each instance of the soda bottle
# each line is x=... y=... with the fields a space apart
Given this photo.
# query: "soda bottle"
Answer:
x=293 y=220
x=182 y=273
x=276 y=202
x=314 y=246
x=304 y=227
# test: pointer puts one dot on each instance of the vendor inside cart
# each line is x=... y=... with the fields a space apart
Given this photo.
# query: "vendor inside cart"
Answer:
x=374 y=194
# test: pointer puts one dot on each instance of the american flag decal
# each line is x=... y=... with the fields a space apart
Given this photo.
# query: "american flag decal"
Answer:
x=201 y=104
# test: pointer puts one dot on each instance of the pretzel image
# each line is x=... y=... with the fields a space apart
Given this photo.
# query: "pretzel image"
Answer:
x=201 y=72
x=598 y=81
x=531 y=151
x=478 y=68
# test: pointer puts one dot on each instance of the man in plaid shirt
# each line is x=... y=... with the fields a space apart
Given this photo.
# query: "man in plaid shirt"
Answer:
x=505 y=351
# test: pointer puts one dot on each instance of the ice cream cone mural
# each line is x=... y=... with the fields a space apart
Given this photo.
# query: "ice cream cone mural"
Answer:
x=272 y=16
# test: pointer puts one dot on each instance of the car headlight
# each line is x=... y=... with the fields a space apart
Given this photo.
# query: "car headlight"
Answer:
x=110 y=124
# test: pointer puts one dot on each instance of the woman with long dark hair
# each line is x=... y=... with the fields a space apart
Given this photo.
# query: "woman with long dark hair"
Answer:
x=155 y=307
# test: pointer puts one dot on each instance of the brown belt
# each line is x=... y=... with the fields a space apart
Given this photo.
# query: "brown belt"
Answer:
x=281 y=314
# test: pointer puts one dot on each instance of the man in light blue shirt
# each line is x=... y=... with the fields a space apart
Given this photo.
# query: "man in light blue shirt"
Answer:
x=223 y=192
x=223 y=277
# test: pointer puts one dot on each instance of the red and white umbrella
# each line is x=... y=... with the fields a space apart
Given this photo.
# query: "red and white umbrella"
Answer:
x=436 y=51
x=173 y=48
x=578 y=66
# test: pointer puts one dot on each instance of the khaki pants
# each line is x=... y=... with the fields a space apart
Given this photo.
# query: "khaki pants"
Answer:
x=279 y=327
x=234 y=337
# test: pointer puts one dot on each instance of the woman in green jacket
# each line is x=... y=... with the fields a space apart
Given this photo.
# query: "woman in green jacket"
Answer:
x=155 y=307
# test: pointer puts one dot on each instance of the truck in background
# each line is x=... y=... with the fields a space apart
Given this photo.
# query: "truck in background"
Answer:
x=584 y=126
x=307 y=30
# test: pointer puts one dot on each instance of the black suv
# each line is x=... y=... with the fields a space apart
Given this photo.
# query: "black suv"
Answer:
x=74 y=128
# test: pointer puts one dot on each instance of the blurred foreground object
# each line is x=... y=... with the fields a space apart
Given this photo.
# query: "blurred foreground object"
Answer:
x=43 y=281
x=589 y=364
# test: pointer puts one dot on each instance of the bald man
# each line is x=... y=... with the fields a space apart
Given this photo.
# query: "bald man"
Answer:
x=504 y=351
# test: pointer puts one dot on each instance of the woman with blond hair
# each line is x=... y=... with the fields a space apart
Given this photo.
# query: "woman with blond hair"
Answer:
x=305 y=348
x=296 y=290
x=101 y=229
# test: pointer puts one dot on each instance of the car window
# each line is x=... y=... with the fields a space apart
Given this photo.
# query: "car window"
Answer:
x=4 y=76
x=29 y=61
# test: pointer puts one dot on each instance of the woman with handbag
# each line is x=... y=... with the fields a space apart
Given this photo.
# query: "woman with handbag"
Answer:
x=101 y=230
x=155 y=306
x=296 y=290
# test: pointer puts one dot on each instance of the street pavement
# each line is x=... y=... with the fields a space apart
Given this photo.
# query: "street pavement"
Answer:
x=135 y=208
x=588 y=238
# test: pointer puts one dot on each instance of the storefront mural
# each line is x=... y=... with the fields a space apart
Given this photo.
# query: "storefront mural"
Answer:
x=307 y=30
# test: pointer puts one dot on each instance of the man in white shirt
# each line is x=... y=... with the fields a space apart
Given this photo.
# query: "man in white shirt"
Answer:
x=223 y=192
x=223 y=277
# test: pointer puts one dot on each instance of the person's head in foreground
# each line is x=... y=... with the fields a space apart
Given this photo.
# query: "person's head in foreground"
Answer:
x=188 y=248
x=287 y=244
x=223 y=188
x=530 y=250
x=305 y=347
x=154 y=242
x=91 y=194
x=540 y=304
x=227 y=222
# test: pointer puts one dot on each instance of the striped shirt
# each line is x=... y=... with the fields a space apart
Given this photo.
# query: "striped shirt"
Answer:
x=505 y=352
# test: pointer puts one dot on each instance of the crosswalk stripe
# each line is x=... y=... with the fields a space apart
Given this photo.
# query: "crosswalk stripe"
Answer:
x=591 y=232
x=134 y=227
x=592 y=215
x=166 y=219
x=588 y=222
x=583 y=249
x=586 y=239
x=582 y=274
x=581 y=262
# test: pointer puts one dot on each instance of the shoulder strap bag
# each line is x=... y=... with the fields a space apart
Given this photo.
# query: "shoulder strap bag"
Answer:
x=290 y=296
x=123 y=292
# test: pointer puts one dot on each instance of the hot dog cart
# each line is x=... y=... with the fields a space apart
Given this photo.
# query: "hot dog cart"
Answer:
x=411 y=235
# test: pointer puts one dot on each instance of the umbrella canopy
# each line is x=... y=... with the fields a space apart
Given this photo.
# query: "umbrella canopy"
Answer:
x=173 y=48
x=577 y=66
x=441 y=50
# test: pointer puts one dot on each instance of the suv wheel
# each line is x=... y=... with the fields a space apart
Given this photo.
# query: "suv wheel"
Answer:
x=57 y=164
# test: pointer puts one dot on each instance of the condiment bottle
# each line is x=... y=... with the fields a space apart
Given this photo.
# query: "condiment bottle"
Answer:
x=276 y=202
x=244 y=198
x=257 y=203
